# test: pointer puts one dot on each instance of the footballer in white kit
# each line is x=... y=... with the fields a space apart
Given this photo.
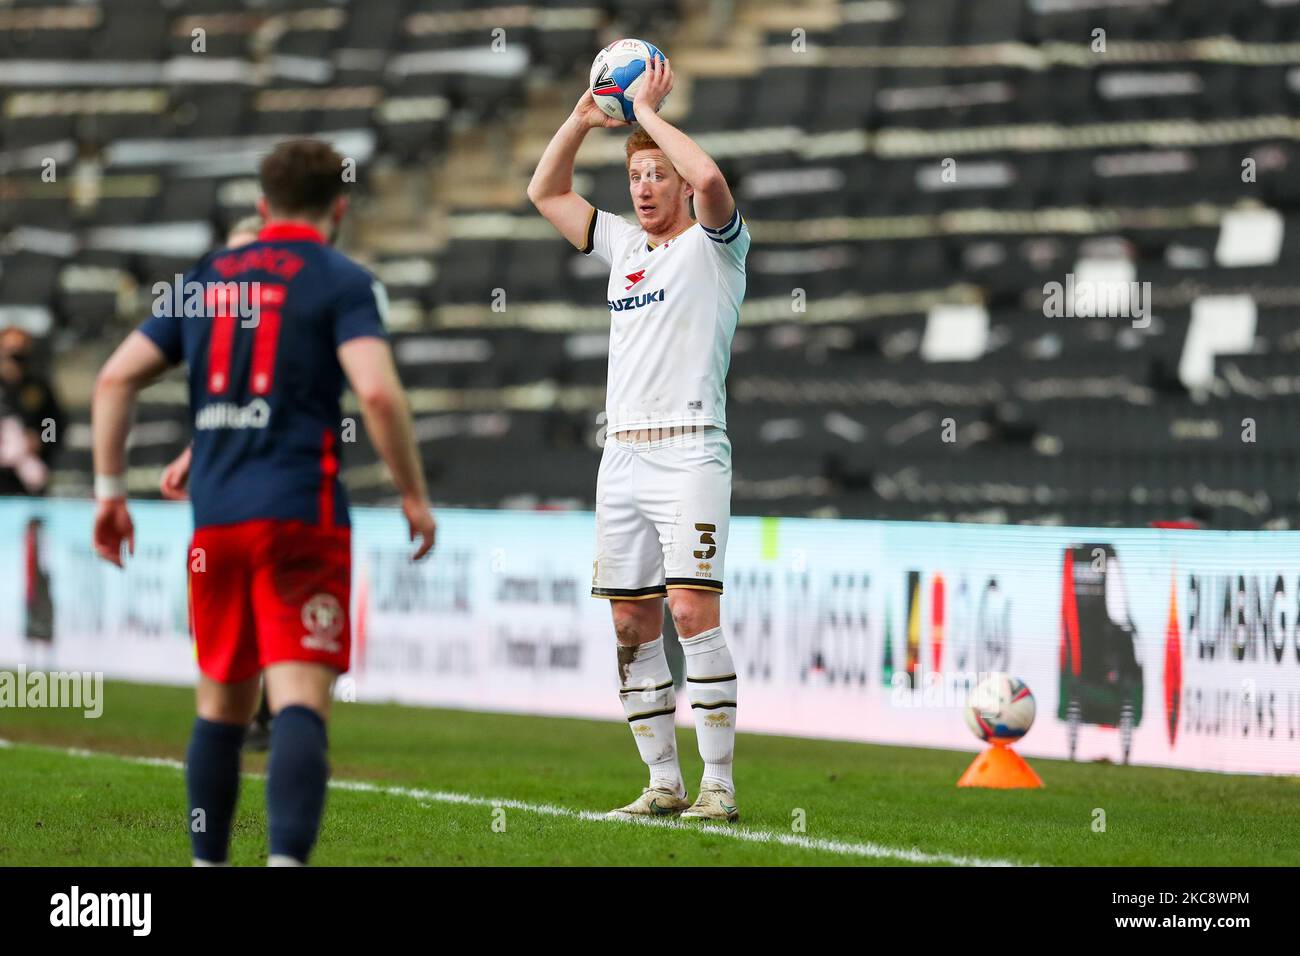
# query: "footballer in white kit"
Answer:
x=663 y=494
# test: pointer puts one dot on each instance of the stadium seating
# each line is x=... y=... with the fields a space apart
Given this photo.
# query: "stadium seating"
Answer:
x=892 y=159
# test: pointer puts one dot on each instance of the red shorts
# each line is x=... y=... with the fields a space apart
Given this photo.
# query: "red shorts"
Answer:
x=267 y=591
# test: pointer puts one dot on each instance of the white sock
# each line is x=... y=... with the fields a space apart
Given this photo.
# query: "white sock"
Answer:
x=198 y=862
x=711 y=686
x=280 y=859
x=646 y=689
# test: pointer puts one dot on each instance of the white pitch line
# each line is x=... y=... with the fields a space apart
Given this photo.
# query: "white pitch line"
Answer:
x=798 y=841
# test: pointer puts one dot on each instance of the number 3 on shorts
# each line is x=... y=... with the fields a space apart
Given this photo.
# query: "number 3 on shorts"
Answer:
x=706 y=539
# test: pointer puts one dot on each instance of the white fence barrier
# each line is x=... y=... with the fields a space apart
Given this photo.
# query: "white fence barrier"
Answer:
x=1185 y=645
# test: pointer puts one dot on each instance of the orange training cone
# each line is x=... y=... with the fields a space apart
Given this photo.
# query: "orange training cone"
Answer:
x=1000 y=767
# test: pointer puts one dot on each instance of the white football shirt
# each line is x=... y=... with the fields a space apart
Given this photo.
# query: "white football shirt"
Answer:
x=673 y=311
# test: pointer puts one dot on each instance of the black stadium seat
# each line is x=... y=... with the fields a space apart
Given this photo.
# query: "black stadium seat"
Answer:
x=837 y=160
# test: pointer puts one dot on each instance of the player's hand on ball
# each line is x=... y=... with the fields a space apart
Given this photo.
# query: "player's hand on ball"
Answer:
x=112 y=527
x=591 y=115
x=176 y=476
x=656 y=83
x=420 y=520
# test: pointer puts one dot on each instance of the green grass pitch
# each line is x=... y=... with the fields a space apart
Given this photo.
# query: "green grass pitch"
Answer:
x=414 y=786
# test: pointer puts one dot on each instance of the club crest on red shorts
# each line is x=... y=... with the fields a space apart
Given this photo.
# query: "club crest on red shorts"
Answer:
x=322 y=616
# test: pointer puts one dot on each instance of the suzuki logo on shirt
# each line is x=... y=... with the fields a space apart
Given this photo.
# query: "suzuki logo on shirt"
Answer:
x=634 y=277
x=635 y=301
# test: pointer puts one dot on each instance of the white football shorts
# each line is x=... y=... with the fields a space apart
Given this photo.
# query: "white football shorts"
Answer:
x=662 y=510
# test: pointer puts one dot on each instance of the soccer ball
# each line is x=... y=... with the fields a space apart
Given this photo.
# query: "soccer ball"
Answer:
x=1000 y=709
x=615 y=74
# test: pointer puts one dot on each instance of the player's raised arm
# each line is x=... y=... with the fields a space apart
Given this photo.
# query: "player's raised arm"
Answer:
x=551 y=188
x=137 y=362
x=368 y=364
x=714 y=205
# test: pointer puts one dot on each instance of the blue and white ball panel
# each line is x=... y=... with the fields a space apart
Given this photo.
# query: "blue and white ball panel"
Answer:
x=624 y=77
x=617 y=68
x=1003 y=732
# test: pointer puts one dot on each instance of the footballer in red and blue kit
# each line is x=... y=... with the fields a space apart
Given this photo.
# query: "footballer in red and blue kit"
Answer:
x=272 y=580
